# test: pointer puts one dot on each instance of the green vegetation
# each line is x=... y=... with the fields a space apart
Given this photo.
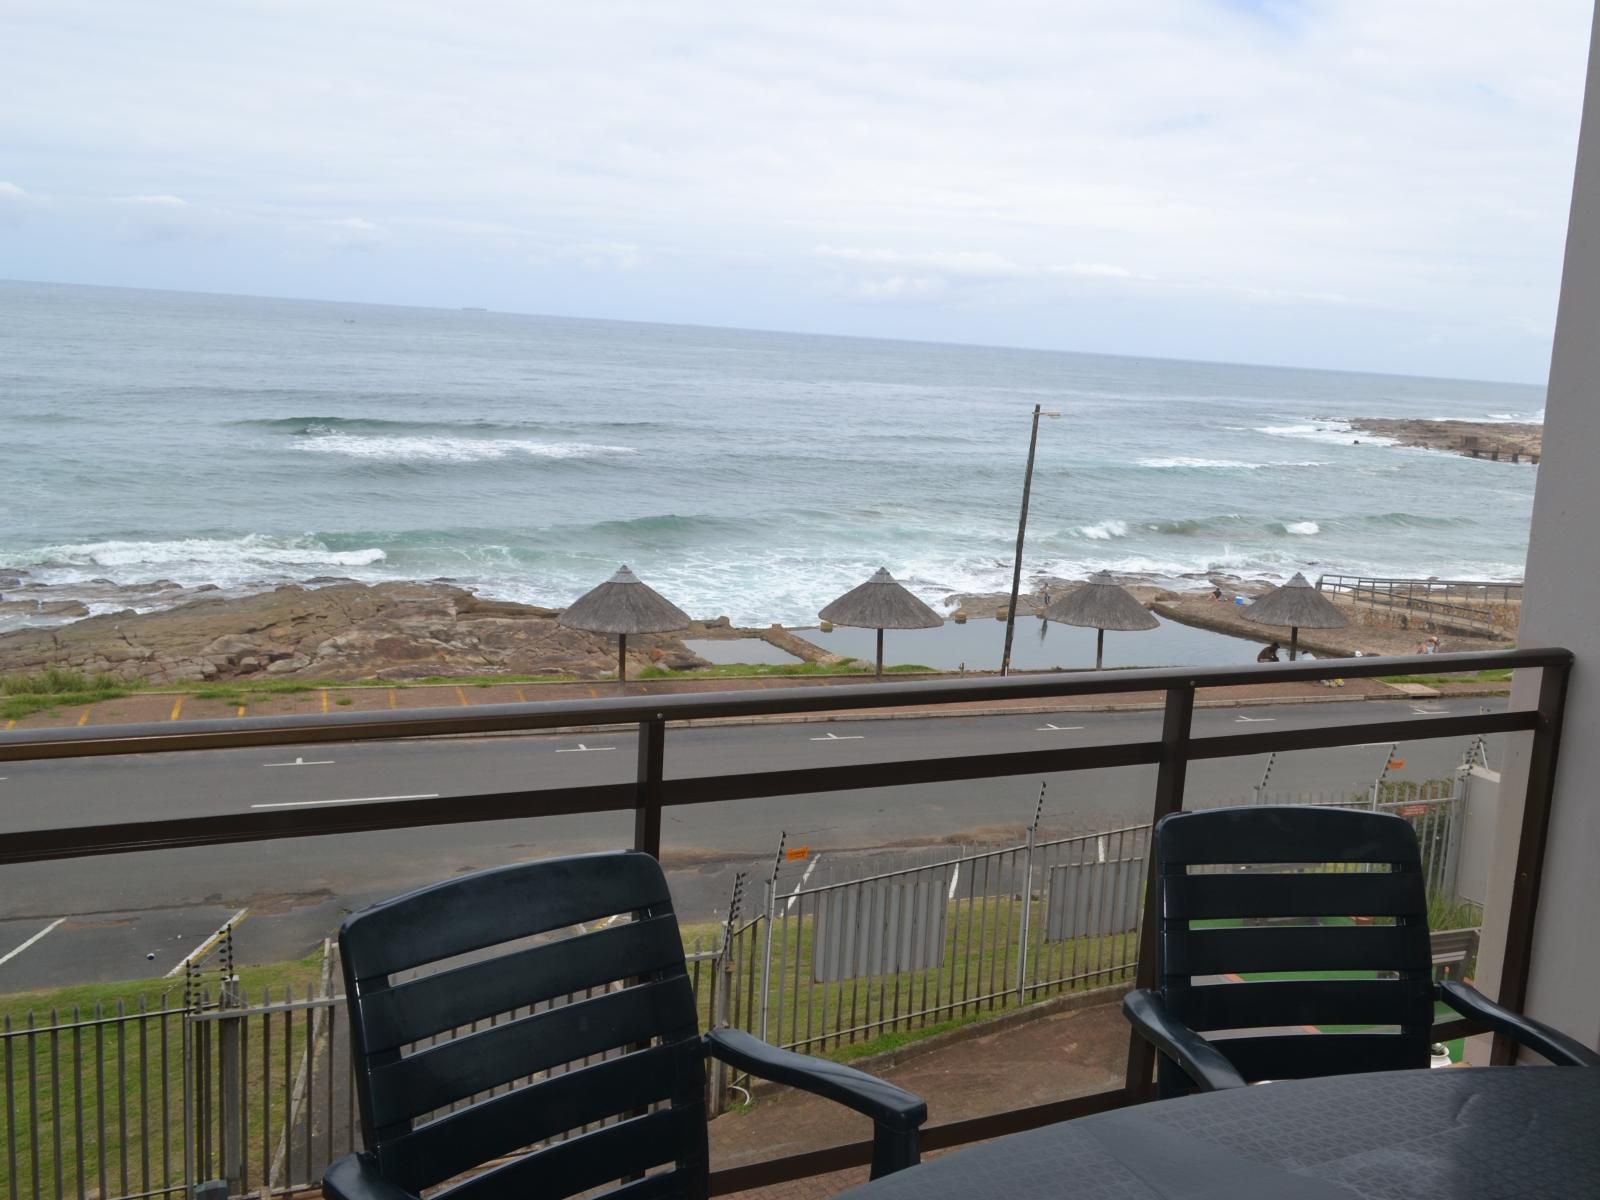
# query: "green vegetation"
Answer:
x=22 y=695
x=852 y=666
x=1497 y=675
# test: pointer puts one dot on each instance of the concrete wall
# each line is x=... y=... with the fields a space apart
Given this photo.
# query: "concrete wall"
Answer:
x=1561 y=607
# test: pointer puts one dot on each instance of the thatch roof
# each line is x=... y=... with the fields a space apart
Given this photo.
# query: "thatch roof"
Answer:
x=1295 y=604
x=1101 y=603
x=622 y=604
x=881 y=603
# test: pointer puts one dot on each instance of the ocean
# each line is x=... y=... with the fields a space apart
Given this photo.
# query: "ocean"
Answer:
x=247 y=442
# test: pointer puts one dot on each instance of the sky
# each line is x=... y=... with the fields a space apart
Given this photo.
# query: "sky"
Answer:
x=1367 y=185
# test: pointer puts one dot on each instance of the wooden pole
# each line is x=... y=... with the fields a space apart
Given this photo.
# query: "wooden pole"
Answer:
x=622 y=660
x=1099 y=648
x=880 y=654
x=1294 y=641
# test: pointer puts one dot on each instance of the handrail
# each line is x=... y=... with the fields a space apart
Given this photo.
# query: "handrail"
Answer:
x=304 y=729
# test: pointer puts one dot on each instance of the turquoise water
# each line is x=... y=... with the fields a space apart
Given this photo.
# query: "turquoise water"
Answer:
x=245 y=442
x=1038 y=645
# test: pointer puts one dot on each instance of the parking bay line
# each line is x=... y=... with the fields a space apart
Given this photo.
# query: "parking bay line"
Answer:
x=1049 y=727
x=834 y=737
x=351 y=800
x=580 y=748
x=301 y=762
x=31 y=941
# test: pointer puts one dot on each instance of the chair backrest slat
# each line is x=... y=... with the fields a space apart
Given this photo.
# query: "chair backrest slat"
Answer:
x=1230 y=878
x=492 y=907
x=473 y=1063
x=589 y=1160
x=1311 y=1055
x=419 y=1008
x=1294 y=948
x=543 y=990
x=1301 y=894
x=613 y=1087
x=1306 y=1002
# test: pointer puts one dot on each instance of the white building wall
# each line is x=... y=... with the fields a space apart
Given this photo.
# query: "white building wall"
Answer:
x=1561 y=607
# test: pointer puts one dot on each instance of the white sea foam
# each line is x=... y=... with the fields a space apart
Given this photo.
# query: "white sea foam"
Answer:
x=451 y=449
x=1339 y=433
x=1104 y=531
x=253 y=548
x=1304 y=528
x=1225 y=464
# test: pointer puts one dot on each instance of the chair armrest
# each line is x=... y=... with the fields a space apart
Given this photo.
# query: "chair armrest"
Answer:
x=1560 y=1049
x=356 y=1177
x=1203 y=1062
x=896 y=1113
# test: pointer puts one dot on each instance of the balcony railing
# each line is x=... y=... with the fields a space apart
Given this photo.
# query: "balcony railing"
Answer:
x=652 y=792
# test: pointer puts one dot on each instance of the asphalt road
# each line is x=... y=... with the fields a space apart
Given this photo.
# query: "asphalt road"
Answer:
x=128 y=916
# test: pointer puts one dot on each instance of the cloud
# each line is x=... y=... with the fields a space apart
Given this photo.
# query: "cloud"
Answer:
x=165 y=218
x=1414 y=159
x=14 y=203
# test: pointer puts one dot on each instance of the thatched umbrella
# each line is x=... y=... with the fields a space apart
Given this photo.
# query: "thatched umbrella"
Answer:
x=1299 y=606
x=880 y=603
x=623 y=605
x=1101 y=604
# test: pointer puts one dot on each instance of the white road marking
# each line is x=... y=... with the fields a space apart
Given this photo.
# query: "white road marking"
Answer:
x=1430 y=712
x=795 y=895
x=352 y=800
x=834 y=737
x=31 y=941
x=580 y=748
x=1255 y=720
x=300 y=762
x=1047 y=727
x=211 y=941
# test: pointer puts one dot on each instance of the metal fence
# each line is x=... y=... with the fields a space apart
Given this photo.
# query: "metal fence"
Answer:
x=1480 y=605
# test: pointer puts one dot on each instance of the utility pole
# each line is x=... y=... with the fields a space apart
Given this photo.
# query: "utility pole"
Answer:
x=1022 y=528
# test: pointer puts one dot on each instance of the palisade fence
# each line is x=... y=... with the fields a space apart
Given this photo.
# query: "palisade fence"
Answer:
x=213 y=1092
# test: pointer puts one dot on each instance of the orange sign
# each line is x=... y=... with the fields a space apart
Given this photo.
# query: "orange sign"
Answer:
x=1397 y=764
x=1413 y=810
x=797 y=853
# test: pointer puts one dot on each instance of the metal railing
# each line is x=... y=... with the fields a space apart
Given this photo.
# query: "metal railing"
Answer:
x=651 y=792
x=1487 y=604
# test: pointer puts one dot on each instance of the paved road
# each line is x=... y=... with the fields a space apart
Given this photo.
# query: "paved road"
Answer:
x=115 y=911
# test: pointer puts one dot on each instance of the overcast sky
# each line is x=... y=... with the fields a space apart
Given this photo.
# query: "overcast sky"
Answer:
x=1377 y=184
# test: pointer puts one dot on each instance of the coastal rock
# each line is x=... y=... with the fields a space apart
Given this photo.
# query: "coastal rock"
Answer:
x=1495 y=440
x=338 y=631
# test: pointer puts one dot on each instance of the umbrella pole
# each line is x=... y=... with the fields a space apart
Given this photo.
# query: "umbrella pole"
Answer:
x=880 y=654
x=1099 y=648
x=1294 y=641
x=622 y=660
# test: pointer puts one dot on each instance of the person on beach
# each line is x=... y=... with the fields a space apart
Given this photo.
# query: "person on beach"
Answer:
x=1268 y=653
x=1428 y=645
x=1216 y=594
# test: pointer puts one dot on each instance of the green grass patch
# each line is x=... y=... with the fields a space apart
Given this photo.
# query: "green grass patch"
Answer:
x=22 y=695
x=1497 y=675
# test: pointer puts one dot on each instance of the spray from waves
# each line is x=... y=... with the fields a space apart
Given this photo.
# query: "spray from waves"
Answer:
x=1220 y=464
x=201 y=560
x=453 y=449
x=1329 y=430
x=1303 y=528
x=1104 y=531
x=315 y=426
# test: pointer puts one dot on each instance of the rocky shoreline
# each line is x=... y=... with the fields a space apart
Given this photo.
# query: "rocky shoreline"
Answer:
x=1499 y=442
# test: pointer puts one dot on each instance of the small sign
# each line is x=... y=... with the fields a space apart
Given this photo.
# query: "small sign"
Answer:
x=1397 y=764
x=796 y=853
x=1413 y=810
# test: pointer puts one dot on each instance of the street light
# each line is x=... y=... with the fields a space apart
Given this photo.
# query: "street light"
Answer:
x=1022 y=526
